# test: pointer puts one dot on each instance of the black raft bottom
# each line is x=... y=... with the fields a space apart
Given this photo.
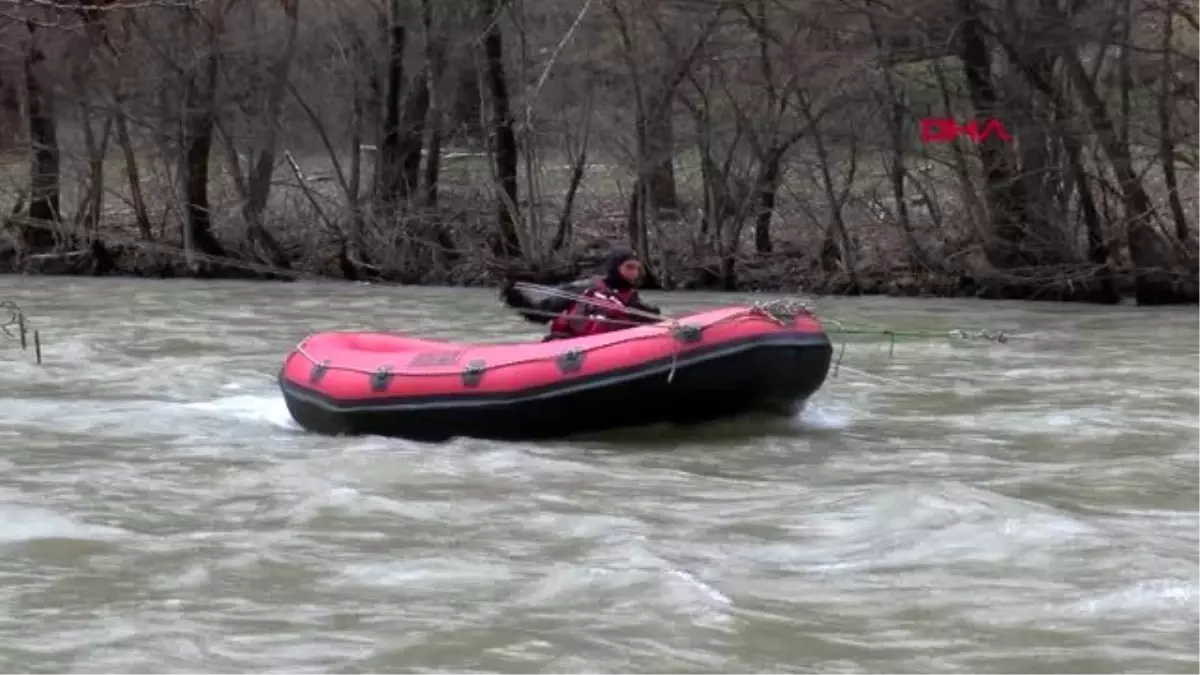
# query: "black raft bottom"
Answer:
x=770 y=373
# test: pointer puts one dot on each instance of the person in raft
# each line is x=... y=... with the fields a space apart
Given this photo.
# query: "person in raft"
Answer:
x=611 y=295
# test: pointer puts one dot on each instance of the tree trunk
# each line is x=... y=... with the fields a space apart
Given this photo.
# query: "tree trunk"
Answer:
x=433 y=162
x=897 y=169
x=578 y=168
x=1098 y=250
x=1166 y=147
x=10 y=113
x=358 y=119
x=1039 y=172
x=132 y=175
x=1005 y=196
x=654 y=188
x=835 y=247
x=259 y=184
x=966 y=179
x=768 y=192
x=91 y=205
x=38 y=236
x=200 y=95
x=658 y=153
x=120 y=120
x=1097 y=246
x=435 y=66
x=503 y=136
x=412 y=137
x=389 y=163
x=1147 y=250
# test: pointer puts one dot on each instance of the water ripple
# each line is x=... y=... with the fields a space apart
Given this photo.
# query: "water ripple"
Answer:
x=951 y=507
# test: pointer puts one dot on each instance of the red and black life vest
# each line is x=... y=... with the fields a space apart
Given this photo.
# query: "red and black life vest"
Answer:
x=606 y=313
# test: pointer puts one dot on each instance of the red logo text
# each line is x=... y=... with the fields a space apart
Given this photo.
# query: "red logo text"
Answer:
x=946 y=129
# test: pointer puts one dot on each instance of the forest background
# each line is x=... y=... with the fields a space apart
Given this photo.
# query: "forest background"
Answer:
x=736 y=144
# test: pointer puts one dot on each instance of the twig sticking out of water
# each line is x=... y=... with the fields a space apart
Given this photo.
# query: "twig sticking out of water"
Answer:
x=16 y=321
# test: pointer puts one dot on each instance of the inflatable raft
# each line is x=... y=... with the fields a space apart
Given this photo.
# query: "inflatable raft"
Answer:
x=703 y=367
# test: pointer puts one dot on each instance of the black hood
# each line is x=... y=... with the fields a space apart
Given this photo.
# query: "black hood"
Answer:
x=612 y=269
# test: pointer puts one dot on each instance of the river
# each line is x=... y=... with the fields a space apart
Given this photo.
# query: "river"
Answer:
x=951 y=507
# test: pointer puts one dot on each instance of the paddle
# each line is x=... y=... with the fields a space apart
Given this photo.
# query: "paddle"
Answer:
x=539 y=304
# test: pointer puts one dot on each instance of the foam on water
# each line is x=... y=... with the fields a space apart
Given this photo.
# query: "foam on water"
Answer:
x=825 y=416
x=26 y=524
x=269 y=409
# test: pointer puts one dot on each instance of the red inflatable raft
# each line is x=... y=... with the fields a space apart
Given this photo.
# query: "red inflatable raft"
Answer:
x=710 y=365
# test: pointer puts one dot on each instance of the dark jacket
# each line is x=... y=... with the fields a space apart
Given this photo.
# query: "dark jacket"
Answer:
x=612 y=296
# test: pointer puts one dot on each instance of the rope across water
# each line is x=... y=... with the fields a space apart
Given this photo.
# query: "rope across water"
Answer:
x=784 y=311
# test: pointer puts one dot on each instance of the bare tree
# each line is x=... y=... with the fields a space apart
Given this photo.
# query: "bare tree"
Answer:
x=45 y=169
x=199 y=125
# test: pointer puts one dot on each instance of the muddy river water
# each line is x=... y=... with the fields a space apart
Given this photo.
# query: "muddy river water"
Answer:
x=951 y=507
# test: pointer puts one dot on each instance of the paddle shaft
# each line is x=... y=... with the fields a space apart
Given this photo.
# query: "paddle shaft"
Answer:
x=594 y=302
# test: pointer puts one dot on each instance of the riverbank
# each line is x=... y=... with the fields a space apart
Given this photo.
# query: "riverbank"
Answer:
x=778 y=273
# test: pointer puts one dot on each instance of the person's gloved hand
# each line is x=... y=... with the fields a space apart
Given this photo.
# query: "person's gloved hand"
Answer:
x=512 y=297
x=521 y=302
